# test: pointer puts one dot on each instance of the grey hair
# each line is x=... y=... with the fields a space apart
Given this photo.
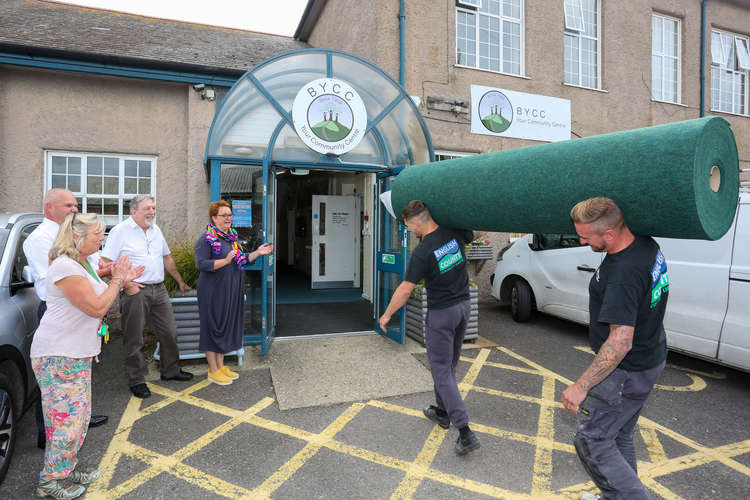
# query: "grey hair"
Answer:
x=72 y=230
x=136 y=200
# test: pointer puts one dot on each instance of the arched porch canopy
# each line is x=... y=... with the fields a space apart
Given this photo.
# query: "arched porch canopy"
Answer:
x=254 y=124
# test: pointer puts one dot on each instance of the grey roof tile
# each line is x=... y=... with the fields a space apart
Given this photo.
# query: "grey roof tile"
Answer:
x=49 y=28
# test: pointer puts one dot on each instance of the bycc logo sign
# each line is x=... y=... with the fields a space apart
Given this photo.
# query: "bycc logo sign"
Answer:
x=495 y=111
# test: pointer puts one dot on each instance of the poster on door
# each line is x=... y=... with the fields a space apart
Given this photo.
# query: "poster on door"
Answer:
x=243 y=213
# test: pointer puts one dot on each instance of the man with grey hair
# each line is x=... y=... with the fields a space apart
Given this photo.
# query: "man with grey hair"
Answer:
x=58 y=203
x=627 y=300
x=146 y=300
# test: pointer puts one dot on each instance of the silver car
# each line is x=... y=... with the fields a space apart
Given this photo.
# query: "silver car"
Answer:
x=18 y=321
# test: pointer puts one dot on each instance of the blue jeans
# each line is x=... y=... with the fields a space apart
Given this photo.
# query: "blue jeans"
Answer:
x=604 y=438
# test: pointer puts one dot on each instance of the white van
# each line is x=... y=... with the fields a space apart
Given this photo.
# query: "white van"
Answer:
x=708 y=313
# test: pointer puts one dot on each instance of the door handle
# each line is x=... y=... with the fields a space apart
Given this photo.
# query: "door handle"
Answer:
x=586 y=268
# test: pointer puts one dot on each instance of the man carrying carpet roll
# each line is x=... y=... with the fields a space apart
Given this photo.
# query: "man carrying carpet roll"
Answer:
x=627 y=300
x=439 y=258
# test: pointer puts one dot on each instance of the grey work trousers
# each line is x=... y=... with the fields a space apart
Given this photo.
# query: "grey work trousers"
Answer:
x=604 y=438
x=149 y=306
x=444 y=336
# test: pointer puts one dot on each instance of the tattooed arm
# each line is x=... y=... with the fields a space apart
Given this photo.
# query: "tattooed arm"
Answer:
x=617 y=346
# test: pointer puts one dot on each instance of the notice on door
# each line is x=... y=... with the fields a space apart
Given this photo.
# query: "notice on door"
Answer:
x=243 y=213
x=340 y=219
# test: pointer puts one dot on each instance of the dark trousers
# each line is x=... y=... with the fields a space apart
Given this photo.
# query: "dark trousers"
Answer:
x=149 y=306
x=604 y=438
x=444 y=336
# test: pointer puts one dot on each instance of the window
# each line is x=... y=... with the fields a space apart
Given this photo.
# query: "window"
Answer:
x=103 y=183
x=581 y=43
x=489 y=37
x=665 y=59
x=730 y=63
x=449 y=155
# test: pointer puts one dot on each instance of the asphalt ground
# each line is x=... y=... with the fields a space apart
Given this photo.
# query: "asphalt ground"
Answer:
x=195 y=440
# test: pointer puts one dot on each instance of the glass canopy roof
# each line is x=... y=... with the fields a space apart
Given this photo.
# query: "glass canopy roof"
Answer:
x=254 y=121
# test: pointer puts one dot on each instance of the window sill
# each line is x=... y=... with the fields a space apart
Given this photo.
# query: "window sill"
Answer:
x=586 y=88
x=491 y=71
x=669 y=102
x=727 y=113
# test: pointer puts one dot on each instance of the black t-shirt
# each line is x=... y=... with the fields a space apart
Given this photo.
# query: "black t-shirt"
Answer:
x=631 y=288
x=440 y=258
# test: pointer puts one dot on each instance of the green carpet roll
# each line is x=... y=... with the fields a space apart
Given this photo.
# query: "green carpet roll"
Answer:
x=679 y=180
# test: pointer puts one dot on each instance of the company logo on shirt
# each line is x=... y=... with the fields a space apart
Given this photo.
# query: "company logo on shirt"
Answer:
x=448 y=256
x=659 y=279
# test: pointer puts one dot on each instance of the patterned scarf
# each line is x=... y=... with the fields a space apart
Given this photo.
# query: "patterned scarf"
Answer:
x=213 y=234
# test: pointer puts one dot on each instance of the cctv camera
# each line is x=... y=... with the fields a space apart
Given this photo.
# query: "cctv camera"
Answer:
x=199 y=86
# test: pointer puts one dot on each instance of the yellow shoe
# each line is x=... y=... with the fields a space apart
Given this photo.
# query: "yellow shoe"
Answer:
x=219 y=378
x=229 y=373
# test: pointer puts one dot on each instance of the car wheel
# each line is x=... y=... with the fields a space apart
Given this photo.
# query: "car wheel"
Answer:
x=520 y=301
x=10 y=413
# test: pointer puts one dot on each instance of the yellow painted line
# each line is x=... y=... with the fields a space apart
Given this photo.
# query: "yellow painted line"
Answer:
x=170 y=395
x=722 y=454
x=509 y=395
x=473 y=373
x=514 y=368
x=716 y=375
x=542 y=370
x=653 y=445
x=660 y=489
x=292 y=465
x=698 y=385
x=541 y=481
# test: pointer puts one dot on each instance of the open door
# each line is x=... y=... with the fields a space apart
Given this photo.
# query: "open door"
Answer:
x=335 y=242
x=391 y=256
x=269 y=261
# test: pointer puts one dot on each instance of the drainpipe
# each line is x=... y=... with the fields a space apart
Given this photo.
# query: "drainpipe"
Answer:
x=703 y=58
x=401 y=29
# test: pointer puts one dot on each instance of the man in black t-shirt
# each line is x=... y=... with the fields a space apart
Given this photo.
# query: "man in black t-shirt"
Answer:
x=439 y=259
x=627 y=300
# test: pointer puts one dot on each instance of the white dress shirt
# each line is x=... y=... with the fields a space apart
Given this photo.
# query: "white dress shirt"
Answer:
x=37 y=247
x=143 y=248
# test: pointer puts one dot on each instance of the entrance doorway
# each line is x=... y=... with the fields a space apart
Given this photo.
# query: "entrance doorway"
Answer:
x=319 y=253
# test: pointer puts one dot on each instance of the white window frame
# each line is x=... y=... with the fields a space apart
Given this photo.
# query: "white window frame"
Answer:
x=521 y=21
x=663 y=55
x=567 y=6
x=470 y=3
x=736 y=67
x=579 y=35
x=83 y=196
x=450 y=155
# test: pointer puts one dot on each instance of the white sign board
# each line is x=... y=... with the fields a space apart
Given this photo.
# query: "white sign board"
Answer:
x=506 y=113
x=329 y=116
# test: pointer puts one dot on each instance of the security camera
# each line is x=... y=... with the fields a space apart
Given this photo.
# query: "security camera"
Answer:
x=199 y=86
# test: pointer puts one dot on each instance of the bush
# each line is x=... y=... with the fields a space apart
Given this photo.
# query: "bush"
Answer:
x=184 y=258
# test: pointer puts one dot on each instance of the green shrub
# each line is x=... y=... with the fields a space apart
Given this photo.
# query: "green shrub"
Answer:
x=184 y=258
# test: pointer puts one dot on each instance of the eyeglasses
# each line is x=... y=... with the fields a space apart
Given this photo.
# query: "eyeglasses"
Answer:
x=226 y=216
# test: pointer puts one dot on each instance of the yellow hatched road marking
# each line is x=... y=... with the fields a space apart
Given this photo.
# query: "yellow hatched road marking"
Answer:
x=653 y=445
x=541 y=482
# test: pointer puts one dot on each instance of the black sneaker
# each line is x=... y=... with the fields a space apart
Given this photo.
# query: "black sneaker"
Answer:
x=431 y=413
x=467 y=444
x=182 y=376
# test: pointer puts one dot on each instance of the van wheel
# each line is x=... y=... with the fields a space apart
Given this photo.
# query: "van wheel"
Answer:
x=520 y=301
x=10 y=414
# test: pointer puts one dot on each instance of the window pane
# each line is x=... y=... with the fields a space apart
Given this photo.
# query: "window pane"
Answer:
x=94 y=165
x=716 y=49
x=491 y=7
x=131 y=168
x=74 y=183
x=74 y=165
x=571 y=59
x=589 y=17
x=728 y=44
x=93 y=184
x=656 y=77
x=58 y=181
x=743 y=55
x=110 y=185
x=131 y=186
x=94 y=205
x=670 y=79
x=671 y=37
x=573 y=17
x=58 y=165
x=144 y=186
x=111 y=166
x=144 y=168
x=656 y=45
x=588 y=63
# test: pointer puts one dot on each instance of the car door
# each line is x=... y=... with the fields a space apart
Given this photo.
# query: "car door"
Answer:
x=563 y=268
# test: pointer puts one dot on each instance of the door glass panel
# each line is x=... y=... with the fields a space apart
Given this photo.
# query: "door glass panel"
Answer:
x=242 y=182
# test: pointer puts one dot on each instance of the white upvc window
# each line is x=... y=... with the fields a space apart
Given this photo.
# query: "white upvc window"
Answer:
x=102 y=183
x=730 y=63
x=441 y=155
x=581 y=52
x=490 y=37
x=666 y=56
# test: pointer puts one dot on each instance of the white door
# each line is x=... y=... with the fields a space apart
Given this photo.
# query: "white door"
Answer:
x=335 y=241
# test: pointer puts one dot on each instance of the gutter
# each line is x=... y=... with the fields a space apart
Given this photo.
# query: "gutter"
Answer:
x=703 y=59
x=401 y=36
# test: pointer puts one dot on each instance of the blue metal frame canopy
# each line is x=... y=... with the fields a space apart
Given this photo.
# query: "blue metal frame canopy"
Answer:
x=253 y=124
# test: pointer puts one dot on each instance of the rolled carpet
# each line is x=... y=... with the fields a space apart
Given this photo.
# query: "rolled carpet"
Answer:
x=678 y=180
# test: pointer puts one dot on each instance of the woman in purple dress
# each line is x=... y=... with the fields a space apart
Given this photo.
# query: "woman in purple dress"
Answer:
x=221 y=292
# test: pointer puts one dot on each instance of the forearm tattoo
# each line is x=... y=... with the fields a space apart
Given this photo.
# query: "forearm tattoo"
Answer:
x=618 y=344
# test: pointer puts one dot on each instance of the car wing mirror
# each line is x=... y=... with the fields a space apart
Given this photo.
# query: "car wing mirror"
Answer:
x=26 y=274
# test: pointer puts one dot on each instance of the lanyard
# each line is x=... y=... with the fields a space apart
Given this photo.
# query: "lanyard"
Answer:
x=91 y=271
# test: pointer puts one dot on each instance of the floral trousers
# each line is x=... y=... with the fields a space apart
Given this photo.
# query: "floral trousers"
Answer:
x=65 y=384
